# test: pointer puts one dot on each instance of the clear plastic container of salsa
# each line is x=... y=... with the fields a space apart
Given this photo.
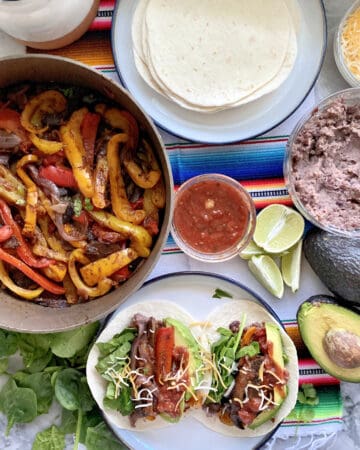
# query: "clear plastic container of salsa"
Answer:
x=214 y=218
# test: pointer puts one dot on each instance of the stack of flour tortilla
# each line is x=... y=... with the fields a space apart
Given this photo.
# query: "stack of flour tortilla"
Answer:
x=210 y=55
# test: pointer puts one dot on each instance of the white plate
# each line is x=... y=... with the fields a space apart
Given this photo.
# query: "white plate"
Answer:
x=193 y=291
x=234 y=124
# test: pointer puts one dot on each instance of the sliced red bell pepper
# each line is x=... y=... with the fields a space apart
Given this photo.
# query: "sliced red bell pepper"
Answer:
x=164 y=346
x=139 y=204
x=89 y=127
x=36 y=277
x=23 y=249
x=81 y=218
x=5 y=233
x=122 y=274
x=61 y=176
x=10 y=121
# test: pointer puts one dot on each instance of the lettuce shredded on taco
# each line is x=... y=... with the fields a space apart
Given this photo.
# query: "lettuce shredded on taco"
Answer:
x=153 y=367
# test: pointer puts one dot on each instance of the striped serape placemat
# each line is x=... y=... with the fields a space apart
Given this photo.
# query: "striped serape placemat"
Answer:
x=258 y=165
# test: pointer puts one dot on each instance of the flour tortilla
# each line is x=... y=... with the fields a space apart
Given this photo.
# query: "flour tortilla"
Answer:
x=213 y=53
x=159 y=310
x=148 y=72
x=222 y=317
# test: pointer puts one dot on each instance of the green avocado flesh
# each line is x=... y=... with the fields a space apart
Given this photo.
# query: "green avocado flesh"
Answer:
x=332 y=335
x=184 y=338
x=273 y=335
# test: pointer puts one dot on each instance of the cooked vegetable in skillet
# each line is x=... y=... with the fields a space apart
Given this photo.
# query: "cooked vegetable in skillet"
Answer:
x=81 y=194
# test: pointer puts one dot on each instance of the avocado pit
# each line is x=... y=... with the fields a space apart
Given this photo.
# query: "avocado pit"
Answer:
x=343 y=348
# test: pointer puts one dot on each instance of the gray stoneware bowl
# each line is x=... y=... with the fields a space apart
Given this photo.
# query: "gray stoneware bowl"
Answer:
x=25 y=316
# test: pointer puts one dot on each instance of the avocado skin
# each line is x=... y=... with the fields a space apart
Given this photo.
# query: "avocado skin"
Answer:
x=316 y=316
x=336 y=261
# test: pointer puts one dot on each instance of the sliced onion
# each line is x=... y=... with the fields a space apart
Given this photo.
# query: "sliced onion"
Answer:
x=9 y=140
x=60 y=207
x=77 y=236
x=49 y=187
x=4 y=159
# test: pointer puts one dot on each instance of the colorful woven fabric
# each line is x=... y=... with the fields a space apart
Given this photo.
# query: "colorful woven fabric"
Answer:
x=258 y=165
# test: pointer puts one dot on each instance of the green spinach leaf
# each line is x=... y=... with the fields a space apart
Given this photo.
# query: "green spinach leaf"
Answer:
x=67 y=344
x=35 y=350
x=8 y=343
x=68 y=421
x=8 y=387
x=101 y=437
x=50 y=439
x=40 y=383
x=66 y=388
x=19 y=406
x=4 y=363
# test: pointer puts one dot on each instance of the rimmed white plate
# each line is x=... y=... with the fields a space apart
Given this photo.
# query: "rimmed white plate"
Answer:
x=235 y=124
x=193 y=291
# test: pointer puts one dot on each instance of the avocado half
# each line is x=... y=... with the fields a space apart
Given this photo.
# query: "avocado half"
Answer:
x=331 y=332
x=336 y=261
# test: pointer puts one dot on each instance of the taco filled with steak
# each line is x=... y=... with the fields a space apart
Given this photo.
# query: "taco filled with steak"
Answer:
x=255 y=371
x=146 y=369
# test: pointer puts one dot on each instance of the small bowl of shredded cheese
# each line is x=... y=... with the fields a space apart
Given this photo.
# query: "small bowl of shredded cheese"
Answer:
x=347 y=45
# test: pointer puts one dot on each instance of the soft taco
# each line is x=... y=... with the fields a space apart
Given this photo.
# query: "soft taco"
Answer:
x=146 y=368
x=255 y=371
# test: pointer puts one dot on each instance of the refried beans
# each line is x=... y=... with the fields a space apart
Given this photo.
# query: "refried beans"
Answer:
x=325 y=164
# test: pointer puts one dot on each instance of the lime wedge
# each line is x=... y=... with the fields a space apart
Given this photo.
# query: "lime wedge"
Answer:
x=278 y=228
x=290 y=267
x=268 y=274
x=251 y=250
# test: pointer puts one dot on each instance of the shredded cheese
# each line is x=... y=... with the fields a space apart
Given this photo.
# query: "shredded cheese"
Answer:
x=350 y=42
x=200 y=324
x=279 y=380
x=261 y=371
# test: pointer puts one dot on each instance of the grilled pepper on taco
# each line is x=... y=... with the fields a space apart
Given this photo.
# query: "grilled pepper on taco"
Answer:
x=255 y=373
x=151 y=369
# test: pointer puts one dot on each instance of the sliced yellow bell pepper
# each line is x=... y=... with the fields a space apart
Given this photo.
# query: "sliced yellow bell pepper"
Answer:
x=53 y=242
x=119 y=200
x=28 y=294
x=101 y=177
x=31 y=195
x=40 y=248
x=144 y=179
x=75 y=152
x=50 y=101
x=120 y=120
x=56 y=271
x=71 y=294
x=83 y=289
x=140 y=239
x=11 y=188
x=158 y=196
x=94 y=272
x=44 y=145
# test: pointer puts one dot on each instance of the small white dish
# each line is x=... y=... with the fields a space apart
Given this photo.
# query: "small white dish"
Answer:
x=234 y=124
x=347 y=74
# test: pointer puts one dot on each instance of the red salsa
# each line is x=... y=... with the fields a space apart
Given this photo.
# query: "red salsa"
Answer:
x=211 y=216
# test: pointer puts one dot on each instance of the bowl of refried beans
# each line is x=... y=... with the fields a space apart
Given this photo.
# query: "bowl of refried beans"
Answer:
x=322 y=164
